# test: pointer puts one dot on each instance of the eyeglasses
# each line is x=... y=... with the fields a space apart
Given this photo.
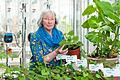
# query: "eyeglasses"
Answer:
x=51 y=19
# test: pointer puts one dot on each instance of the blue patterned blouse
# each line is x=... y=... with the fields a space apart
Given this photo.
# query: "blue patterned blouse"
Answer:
x=41 y=43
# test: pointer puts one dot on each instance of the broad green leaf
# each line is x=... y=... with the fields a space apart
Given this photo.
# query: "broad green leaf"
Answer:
x=76 y=38
x=85 y=24
x=111 y=15
x=91 y=23
x=85 y=74
x=106 y=28
x=57 y=71
x=100 y=18
x=105 y=6
x=62 y=42
x=116 y=7
x=44 y=72
x=98 y=76
x=77 y=78
x=118 y=44
x=89 y=10
x=71 y=33
x=102 y=5
x=94 y=37
x=58 y=77
x=107 y=9
x=66 y=78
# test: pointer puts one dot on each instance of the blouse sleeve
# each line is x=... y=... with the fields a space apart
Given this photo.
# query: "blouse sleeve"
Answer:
x=36 y=48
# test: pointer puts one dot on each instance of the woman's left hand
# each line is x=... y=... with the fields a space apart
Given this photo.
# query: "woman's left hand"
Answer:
x=61 y=51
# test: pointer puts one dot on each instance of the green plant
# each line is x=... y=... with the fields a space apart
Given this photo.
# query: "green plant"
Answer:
x=3 y=55
x=104 y=24
x=1 y=46
x=71 y=41
x=107 y=64
x=64 y=72
x=15 y=73
x=42 y=72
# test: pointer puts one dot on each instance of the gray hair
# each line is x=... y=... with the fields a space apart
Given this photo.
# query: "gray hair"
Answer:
x=39 y=22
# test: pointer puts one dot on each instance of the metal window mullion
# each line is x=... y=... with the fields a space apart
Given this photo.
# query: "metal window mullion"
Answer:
x=74 y=16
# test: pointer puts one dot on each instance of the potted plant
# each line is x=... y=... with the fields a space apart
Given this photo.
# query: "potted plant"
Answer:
x=103 y=23
x=72 y=43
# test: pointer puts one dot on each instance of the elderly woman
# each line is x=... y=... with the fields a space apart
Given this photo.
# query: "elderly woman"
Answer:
x=44 y=43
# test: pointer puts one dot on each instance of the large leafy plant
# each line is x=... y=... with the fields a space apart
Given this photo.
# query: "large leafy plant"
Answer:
x=71 y=41
x=42 y=72
x=103 y=23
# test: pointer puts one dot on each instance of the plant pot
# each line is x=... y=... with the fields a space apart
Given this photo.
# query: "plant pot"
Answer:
x=75 y=52
x=107 y=62
x=107 y=59
x=116 y=78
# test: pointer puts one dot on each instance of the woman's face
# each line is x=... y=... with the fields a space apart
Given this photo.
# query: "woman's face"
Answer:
x=49 y=21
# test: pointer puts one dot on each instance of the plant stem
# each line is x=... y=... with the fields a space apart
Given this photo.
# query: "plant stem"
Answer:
x=116 y=37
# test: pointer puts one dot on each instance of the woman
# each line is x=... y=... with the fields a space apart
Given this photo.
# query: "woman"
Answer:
x=44 y=43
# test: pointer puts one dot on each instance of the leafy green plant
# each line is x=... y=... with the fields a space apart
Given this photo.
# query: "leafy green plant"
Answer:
x=42 y=72
x=107 y=64
x=15 y=73
x=64 y=72
x=71 y=41
x=1 y=46
x=104 y=24
x=3 y=55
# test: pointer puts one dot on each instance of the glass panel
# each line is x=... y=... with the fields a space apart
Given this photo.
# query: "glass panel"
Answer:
x=13 y=14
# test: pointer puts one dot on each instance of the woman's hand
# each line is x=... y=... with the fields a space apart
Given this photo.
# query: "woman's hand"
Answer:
x=61 y=51
x=54 y=53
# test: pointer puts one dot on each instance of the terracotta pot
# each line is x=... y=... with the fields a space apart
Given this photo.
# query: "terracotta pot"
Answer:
x=75 y=52
x=116 y=78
